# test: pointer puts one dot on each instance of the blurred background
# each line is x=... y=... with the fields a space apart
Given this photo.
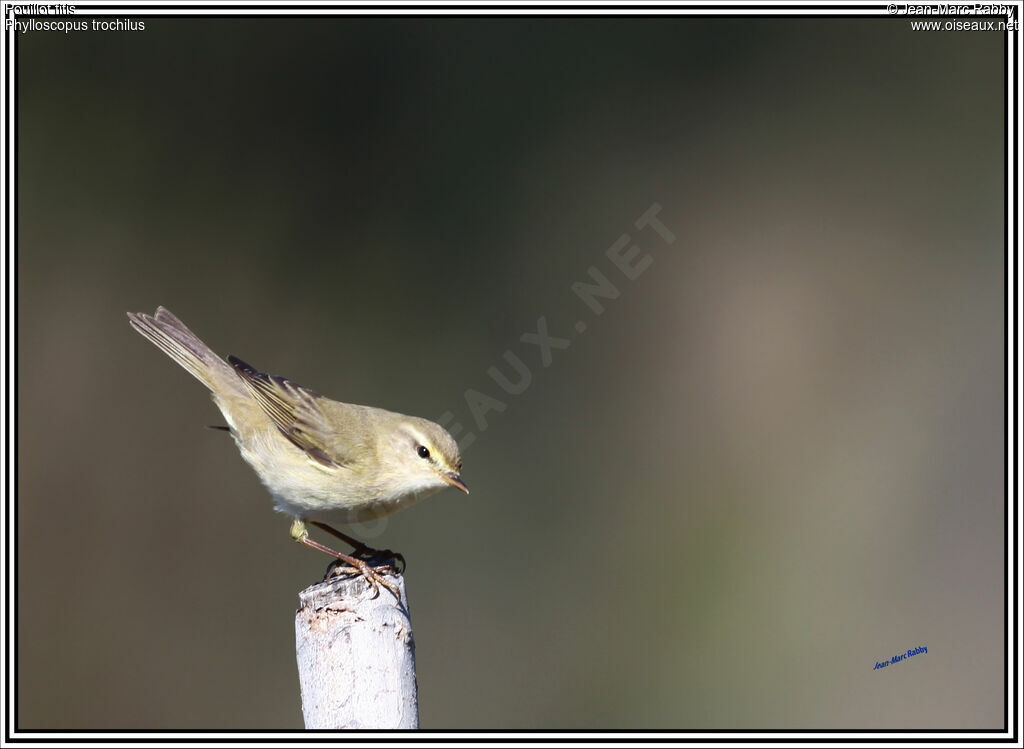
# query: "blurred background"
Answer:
x=775 y=459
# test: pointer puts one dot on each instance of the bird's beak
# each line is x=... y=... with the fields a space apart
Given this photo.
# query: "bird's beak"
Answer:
x=455 y=480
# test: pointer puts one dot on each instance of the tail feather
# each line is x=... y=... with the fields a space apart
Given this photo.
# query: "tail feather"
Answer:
x=173 y=337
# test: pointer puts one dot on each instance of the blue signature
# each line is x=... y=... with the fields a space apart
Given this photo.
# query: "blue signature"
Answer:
x=901 y=657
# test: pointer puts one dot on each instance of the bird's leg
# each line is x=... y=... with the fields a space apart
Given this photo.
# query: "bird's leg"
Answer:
x=361 y=549
x=300 y=534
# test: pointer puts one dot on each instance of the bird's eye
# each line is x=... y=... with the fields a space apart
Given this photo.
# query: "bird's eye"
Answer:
x=423 y=452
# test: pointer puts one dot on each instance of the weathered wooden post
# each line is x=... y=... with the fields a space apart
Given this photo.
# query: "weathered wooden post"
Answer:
x=356 y=657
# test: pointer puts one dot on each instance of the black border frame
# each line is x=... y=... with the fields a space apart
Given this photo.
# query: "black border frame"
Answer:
x=501 y=736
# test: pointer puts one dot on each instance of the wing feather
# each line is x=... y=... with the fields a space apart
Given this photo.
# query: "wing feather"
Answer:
x=294 y=410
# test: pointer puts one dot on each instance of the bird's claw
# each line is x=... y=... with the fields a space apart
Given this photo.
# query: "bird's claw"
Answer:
x=372 y=574
x=376 y=556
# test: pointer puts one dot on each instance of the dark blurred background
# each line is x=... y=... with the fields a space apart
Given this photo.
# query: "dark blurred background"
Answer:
x=774 y=460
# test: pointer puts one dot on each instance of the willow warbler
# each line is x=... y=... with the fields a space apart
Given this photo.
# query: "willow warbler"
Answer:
x=321 y=460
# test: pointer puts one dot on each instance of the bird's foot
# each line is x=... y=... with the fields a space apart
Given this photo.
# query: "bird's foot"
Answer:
x=372 y=572
x=381 y=557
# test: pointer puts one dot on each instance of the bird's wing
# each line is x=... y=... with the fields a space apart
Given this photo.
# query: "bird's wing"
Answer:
x=295 y=411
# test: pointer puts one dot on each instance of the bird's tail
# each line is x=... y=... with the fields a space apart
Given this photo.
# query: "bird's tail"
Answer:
x=173 y=337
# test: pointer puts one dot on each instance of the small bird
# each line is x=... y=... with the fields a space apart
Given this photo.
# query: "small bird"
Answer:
x=320 y=459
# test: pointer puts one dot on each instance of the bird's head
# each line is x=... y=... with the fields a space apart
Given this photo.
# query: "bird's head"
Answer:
x=423 y=457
